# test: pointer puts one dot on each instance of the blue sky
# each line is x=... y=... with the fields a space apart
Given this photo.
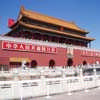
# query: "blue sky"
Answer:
x=85 y=13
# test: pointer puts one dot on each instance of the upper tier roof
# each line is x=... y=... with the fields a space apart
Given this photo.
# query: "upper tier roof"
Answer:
x=49 y=19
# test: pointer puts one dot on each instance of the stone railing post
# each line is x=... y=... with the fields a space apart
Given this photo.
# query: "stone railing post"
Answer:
x=94 y=72
x=81 y=78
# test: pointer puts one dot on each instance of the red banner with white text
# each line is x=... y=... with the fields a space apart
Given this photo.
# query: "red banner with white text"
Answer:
x=27 y=47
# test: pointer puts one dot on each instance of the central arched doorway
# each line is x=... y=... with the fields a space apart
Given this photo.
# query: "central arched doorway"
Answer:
x=69 y=62
x=51 y=63
x=84 y=62
x=33 y=64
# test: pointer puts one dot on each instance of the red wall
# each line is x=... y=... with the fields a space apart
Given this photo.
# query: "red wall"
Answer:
x=89 y=57
x=41 y=58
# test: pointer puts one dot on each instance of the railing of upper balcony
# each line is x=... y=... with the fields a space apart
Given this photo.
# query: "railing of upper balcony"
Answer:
x=40 y=42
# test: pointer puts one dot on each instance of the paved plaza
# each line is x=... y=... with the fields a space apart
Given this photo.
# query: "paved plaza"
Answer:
x=93 y=94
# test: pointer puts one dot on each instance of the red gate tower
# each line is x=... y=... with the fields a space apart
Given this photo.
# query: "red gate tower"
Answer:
x=41 y=40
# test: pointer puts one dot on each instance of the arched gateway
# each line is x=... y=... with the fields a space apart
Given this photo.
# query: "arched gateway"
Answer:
x=51 y=63
x=33 y=64
x=69 y=62
x=84 y=62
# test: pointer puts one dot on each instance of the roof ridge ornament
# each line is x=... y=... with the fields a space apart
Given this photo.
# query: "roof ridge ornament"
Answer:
x=22 y=8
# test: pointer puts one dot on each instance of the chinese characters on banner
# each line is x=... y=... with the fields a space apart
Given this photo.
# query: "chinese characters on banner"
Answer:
x=27 y=47
x=90 y=53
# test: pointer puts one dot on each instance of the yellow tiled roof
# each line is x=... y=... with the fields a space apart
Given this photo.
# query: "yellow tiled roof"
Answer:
x=56 y=31
x=51 y=20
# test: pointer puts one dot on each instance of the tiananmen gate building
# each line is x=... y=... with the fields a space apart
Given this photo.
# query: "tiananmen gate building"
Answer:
x=41 y=40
